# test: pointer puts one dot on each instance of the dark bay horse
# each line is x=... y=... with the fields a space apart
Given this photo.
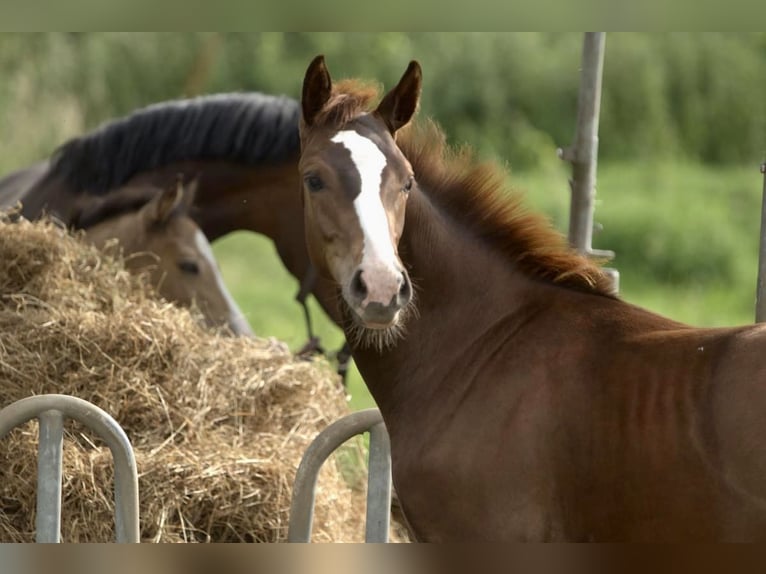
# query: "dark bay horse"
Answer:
x=524 y=400
x=242 y=149
x=157 y=237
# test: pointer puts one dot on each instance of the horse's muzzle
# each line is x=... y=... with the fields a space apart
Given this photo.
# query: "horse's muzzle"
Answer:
x=375 y=314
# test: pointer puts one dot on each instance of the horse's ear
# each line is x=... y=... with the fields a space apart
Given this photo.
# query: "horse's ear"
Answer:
x=399 y=105
x=189 y=194
x=317 y=86
x=163 y=207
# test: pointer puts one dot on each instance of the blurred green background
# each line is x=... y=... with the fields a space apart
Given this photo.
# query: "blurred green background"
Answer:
x=683 y=130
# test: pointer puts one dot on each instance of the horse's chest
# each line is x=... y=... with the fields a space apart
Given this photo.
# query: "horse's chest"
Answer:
x=476 y=485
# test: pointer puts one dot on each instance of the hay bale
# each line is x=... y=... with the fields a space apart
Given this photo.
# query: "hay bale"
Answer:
x=218 y=424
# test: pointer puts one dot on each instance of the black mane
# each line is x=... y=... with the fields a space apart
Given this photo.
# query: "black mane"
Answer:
x=251 y=128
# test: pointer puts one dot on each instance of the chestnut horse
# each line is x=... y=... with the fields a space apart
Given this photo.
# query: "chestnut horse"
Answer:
x=524 y=400
x=242 y=149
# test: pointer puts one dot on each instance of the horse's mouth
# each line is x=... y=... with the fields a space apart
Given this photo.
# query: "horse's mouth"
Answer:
x=376 y=323
x=373 y=334
x=380 y=326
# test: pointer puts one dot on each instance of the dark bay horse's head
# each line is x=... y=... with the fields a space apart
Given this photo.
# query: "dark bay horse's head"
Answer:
x=162 y=240
x=355 y=187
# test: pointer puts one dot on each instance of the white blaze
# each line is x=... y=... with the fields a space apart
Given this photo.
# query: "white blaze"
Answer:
x=237 y=319
x=379 y=264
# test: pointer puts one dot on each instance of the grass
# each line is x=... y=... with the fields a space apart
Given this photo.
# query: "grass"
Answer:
x=686 y=238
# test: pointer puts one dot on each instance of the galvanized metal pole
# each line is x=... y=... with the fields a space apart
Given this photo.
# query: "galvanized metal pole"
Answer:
x=583 y=153
x=760 y=292
x=49 y=456
x=378 y=485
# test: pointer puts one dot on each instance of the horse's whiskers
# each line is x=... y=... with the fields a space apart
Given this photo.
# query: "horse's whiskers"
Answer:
x=379 y=339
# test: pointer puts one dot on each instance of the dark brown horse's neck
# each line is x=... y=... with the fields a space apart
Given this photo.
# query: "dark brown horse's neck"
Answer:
x=237 y=197
x=232 y=196
x=463 y=289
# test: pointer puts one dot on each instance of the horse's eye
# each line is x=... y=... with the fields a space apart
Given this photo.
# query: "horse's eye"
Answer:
x=314 y=182
x=189 y=267
x=408 y=186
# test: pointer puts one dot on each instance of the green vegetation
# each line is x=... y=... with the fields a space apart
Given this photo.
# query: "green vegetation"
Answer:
x=683 y=129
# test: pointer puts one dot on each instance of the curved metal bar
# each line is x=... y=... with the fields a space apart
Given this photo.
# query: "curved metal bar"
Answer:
x=99 y=421
x=302 y=506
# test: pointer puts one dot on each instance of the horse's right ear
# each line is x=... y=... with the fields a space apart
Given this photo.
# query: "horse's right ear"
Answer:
x=317 y=86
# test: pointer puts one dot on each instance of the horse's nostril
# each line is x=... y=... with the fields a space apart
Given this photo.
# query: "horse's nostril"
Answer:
x=358 y=287
x=405 y=288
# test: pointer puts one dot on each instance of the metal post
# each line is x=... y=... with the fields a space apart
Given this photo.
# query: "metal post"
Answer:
x=583 y=153
x=760 y=292
x=49 y=456
x=379 y=487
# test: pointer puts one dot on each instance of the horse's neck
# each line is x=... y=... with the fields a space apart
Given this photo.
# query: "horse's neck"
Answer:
x=230 y=196
x=238 y=197
x=463 y=288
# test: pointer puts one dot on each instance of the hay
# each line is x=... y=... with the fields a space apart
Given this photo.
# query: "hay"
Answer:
x=218 y=424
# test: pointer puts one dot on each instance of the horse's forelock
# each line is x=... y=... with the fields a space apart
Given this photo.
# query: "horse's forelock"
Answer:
x=349 y=100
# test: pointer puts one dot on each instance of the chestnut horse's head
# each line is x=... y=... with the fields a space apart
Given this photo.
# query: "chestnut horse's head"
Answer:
x=355 y=187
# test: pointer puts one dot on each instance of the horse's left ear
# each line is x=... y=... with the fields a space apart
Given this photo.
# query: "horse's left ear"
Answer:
x=317 y=87
x=167 y=204
x=399 y=105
